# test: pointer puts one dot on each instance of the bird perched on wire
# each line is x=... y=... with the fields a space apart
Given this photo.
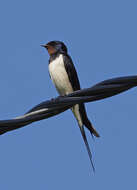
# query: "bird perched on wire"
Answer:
x=64 y=76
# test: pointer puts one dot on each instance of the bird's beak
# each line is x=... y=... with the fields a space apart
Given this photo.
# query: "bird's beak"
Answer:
x=45 y=46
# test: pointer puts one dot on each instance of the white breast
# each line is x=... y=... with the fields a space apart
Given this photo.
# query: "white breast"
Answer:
x=61 y=81
x=59 y=76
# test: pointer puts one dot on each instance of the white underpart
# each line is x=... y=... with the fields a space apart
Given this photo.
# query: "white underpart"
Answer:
x=61 y=81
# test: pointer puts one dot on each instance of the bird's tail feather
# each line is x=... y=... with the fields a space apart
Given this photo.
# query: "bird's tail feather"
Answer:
x=89 y=125
x=87 y=145
x=86 y=121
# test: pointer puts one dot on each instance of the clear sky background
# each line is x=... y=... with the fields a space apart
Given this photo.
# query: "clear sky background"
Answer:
x=101 y=37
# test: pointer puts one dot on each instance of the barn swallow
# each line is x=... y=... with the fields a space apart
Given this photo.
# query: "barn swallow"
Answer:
x=64 y=76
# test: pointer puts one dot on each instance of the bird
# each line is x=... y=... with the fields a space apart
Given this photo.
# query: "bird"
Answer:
x=65 y=78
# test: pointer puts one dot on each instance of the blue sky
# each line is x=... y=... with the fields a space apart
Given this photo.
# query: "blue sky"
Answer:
x=50 y=154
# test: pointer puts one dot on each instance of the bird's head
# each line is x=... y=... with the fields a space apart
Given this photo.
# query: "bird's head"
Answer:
x=55 y=47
